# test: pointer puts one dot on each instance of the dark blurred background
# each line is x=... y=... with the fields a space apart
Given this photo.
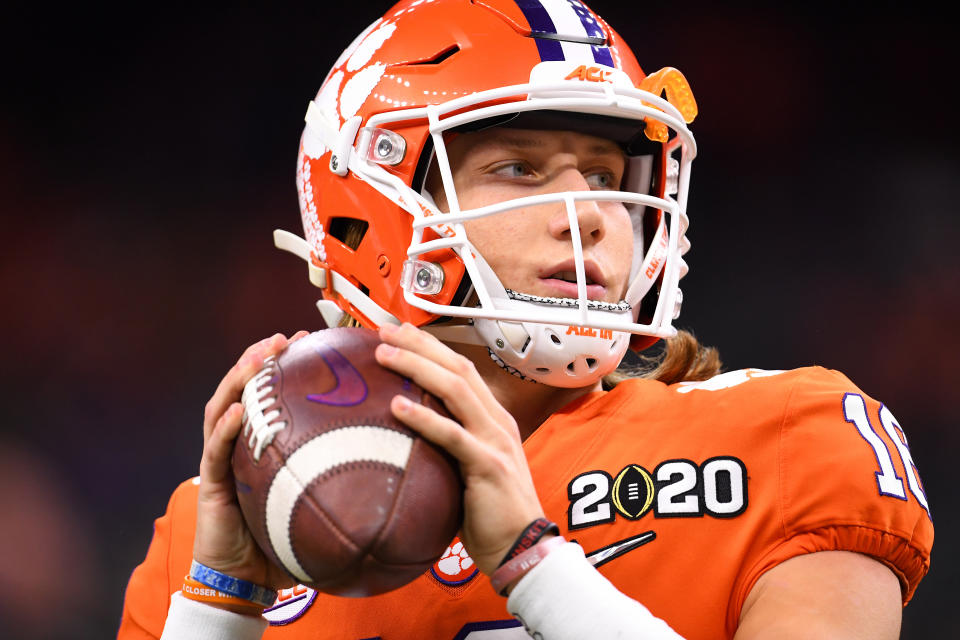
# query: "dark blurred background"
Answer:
x=147 y=153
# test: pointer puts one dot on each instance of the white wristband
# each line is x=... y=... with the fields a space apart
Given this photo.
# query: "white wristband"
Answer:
x=565 y=598
x=189 y=620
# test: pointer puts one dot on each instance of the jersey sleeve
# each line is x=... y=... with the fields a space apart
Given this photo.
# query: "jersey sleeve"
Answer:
x=847 y=482
x=161 y=573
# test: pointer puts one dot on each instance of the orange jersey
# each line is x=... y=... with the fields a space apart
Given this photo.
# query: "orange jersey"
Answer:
x=681 y=495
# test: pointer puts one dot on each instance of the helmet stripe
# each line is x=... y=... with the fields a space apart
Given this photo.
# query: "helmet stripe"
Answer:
x=566 y=30
x=591 y=27
x=549 y=49
x=538 y=17
x=593 y=30
x=602 y=56
x=540 y=24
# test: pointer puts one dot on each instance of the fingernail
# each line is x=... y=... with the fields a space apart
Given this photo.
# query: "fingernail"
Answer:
x=403 y=404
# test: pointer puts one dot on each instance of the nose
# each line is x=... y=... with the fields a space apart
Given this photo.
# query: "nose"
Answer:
x=590 y=219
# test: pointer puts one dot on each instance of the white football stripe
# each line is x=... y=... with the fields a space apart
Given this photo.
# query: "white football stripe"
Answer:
x=578 y=52
x=314 y=458
x=565 y=19
x=567 y=23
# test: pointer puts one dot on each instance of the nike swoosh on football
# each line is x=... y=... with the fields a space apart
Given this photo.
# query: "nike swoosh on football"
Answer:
x=350 y=388
x=617 y=549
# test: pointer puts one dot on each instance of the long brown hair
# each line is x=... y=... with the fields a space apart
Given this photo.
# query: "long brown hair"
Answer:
x=683 y=358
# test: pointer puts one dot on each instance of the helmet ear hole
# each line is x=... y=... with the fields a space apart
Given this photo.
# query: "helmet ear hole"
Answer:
x=349 y=231
x=591 y=363
x=554 y=338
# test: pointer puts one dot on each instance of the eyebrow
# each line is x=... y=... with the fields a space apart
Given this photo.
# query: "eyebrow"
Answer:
x=520 y=142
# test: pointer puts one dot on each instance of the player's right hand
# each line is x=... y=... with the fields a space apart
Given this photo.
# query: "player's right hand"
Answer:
x=222 y=540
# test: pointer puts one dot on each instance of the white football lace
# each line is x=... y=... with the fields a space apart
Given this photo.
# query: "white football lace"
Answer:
x=258 y=427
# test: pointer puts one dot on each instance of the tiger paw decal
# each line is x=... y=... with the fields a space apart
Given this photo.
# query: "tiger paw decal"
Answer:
x=455 y=567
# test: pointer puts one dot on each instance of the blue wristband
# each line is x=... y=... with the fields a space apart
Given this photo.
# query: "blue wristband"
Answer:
x=236 y=587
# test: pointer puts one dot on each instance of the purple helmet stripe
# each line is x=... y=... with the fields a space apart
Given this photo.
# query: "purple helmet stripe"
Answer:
x=543 y=28
x=549 y=49
x=537 y=17
x=602 y=56
x=589 y=22
x=541 y=24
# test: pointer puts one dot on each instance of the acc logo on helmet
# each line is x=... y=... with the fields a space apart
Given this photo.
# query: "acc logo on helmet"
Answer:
x=589 y=74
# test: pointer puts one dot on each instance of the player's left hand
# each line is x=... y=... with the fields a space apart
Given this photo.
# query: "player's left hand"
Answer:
x=499 y=496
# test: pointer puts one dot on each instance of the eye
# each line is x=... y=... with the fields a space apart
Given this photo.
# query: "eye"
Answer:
x=515 y=169
x=603 y=180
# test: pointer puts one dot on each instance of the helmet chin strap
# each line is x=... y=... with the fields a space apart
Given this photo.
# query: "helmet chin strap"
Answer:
x=651 y=267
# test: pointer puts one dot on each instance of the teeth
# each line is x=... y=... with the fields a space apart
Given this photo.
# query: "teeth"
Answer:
x=569 y=276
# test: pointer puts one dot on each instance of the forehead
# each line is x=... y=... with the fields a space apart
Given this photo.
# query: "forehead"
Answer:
x=532 y=140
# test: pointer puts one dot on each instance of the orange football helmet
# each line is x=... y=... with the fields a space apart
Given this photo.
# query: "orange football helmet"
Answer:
x=383 y=252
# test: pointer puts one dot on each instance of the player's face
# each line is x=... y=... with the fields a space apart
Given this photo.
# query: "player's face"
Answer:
x=530 y=249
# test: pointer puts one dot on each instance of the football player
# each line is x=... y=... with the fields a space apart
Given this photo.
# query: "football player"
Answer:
x=498 y=188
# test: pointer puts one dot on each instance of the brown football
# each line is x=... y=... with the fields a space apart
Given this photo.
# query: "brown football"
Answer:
x=335 y=490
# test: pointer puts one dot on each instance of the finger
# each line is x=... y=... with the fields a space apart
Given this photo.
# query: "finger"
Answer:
x=215 y=467
x=231 y=386
x=413 y=339
x=422 y=343
x=457 y=394
x=438 y=429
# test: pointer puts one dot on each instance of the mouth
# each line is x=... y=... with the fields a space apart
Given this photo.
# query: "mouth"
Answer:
x=568 y=276
x=567 y=272
x=561 y=280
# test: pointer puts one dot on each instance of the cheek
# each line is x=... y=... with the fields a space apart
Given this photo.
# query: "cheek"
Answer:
x=499 y=240
x=496 y=237
x=483 y=236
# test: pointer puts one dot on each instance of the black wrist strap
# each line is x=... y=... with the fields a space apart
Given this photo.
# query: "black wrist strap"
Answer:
x=529 y=537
